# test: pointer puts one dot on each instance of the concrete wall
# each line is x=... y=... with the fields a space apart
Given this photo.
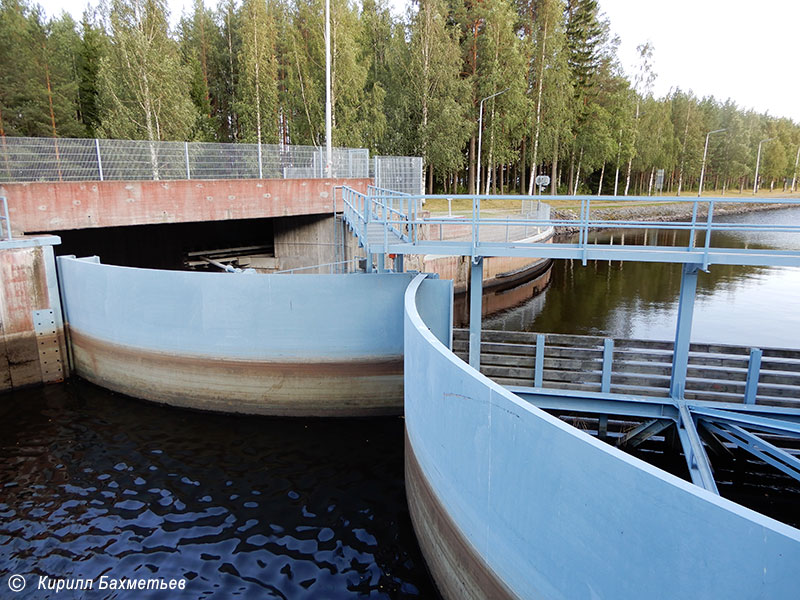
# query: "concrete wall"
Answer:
x=304 y=345
x=43 y=207
x=32 y=348
x=510 y=502
x=305 y=241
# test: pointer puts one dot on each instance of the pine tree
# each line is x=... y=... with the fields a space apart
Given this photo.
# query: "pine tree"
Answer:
x=200 y=38
x=93 y=47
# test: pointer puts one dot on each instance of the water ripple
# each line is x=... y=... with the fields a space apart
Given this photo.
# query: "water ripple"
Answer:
x=94 y=484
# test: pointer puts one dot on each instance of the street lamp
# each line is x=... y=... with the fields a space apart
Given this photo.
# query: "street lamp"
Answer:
x=480 y=135
x=705 y=152
x=758 y=162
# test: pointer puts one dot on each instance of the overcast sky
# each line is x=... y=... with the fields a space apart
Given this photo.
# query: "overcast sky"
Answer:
x=739 y=49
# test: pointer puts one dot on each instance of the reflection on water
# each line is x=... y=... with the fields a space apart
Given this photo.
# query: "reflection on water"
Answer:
x=738 y=305
x=94 y=483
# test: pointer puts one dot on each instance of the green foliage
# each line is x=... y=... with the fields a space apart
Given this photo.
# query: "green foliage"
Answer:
x=143 y=83
x=38 y=81
x=254 y=70
x=93 y=47
x=439 y=124
x=257 y=95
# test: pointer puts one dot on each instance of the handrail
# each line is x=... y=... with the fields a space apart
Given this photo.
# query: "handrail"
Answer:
x=382 y=212
x=319 y=266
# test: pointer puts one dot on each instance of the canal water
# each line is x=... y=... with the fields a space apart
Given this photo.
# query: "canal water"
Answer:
x=96 y=484
x=93 y=483
x=755 y=306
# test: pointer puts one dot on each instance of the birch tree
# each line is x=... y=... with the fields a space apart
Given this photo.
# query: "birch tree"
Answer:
x=143 y=83
x=258 y=83
x=435 y=90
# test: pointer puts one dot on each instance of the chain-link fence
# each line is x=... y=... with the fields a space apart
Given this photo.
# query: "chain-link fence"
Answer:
x=399 y=173
x=62 y=159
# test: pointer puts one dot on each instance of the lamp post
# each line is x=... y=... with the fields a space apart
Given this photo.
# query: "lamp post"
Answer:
x=703 y=168
x=328 y=125
x=758 y=162
x=480 y=135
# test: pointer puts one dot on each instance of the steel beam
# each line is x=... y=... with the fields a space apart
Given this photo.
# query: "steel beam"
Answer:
x=753 y=371
x=769 y=453
x=475 y=311
x=774 y=412
x=754 y=421
x=538 y=371
x=683 y=331
x=602 y=427
x=696 y=457
x=721 y=256
x=596 y=403
x=608 y=359
x=643 y=432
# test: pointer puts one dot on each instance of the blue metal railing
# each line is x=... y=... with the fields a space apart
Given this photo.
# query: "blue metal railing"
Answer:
x=332 y=267
x=380 y=207
x=5 y=228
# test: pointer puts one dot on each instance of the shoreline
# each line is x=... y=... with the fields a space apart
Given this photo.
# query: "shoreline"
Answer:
x=656 y=213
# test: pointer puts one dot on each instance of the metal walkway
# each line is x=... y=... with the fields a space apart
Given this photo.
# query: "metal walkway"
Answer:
x=388 y=222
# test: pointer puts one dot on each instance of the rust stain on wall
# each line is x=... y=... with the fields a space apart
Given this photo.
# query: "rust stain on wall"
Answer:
x=301 y=388
x=42 y=207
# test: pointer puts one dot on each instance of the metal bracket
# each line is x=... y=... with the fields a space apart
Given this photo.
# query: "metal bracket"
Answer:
x=50 y=360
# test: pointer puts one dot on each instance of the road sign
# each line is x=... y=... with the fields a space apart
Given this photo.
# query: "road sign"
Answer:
x=660 y=179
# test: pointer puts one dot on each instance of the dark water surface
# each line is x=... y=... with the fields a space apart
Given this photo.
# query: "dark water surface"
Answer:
x=93 y=483
x=758 y=306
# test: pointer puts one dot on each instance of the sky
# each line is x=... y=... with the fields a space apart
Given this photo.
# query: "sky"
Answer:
x=738 y=49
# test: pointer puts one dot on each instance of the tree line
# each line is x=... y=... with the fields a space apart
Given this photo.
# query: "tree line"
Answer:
x=253 y=71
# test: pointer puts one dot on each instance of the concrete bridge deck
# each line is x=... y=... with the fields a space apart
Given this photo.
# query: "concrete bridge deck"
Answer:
x=54 y=206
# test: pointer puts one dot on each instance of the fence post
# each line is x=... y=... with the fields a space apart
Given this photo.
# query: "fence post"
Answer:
x=475 y=310
x=608 y=359
x=753 y=371
x=683 y=330
x=186 y=153
x=99 y=161
x=538 y=370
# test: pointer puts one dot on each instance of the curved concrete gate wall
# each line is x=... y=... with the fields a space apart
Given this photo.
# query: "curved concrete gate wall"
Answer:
x=511 y=502
x=296 y=345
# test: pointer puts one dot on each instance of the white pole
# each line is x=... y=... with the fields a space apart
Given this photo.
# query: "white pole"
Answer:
x=186 y=152
x=99 y=162
x=758 y=163
x=796 y=162
x=328 y=119
x=703 y=168
x=480 y=135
